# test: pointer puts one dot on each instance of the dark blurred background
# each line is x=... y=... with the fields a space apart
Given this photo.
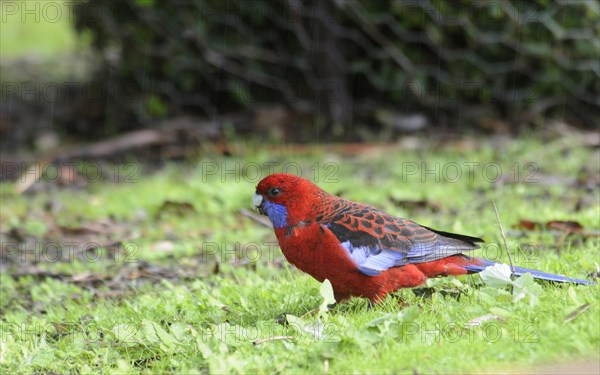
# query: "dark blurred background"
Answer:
x=298 y=71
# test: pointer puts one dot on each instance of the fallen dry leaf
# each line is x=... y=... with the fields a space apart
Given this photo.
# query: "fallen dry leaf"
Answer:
x=87 y=228
x=527 y=224
x=112 y=293
x=176 y=208
x=565 y=226
x=88 y=277
x=418 y=204
x=163 y=246
x=484 y=318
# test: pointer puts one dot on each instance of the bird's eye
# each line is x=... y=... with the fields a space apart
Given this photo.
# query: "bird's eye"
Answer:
x=273 y=192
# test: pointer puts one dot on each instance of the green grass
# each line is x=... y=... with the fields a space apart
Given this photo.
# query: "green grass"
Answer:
x=192 y=318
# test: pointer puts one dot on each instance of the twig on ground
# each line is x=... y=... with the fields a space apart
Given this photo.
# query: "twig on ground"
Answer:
x=272 y=338
x=512 y=267
x=575 y=313
x=309 y=313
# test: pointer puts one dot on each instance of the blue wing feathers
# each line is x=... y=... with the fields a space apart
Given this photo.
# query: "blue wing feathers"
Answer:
x=426 y=252
x=372 y=257
x=372 y=260
x=519 y=271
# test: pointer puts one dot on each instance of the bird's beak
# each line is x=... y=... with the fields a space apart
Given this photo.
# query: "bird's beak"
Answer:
x=258 y=203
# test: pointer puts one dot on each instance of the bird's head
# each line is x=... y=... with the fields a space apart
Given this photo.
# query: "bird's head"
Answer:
x=286 y=199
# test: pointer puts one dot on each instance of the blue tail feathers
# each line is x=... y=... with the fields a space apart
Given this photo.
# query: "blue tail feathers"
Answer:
x=535 y=273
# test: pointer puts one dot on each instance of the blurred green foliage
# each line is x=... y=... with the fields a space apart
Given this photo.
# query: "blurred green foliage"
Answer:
x=517 y=60
x=30 y=30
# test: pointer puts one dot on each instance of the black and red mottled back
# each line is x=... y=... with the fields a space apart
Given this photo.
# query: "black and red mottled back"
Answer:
x=364 y=225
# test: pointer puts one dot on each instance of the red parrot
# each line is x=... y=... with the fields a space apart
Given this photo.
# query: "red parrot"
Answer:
x=362 y=251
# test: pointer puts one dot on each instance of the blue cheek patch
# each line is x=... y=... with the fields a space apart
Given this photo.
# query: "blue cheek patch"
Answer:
x=277 y=214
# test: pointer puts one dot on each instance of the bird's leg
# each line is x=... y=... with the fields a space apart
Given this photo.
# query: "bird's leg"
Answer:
x=340 y=297
x=401 y=301
x=371 y=304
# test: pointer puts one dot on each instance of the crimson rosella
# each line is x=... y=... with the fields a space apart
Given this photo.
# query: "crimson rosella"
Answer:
x=362 y=251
